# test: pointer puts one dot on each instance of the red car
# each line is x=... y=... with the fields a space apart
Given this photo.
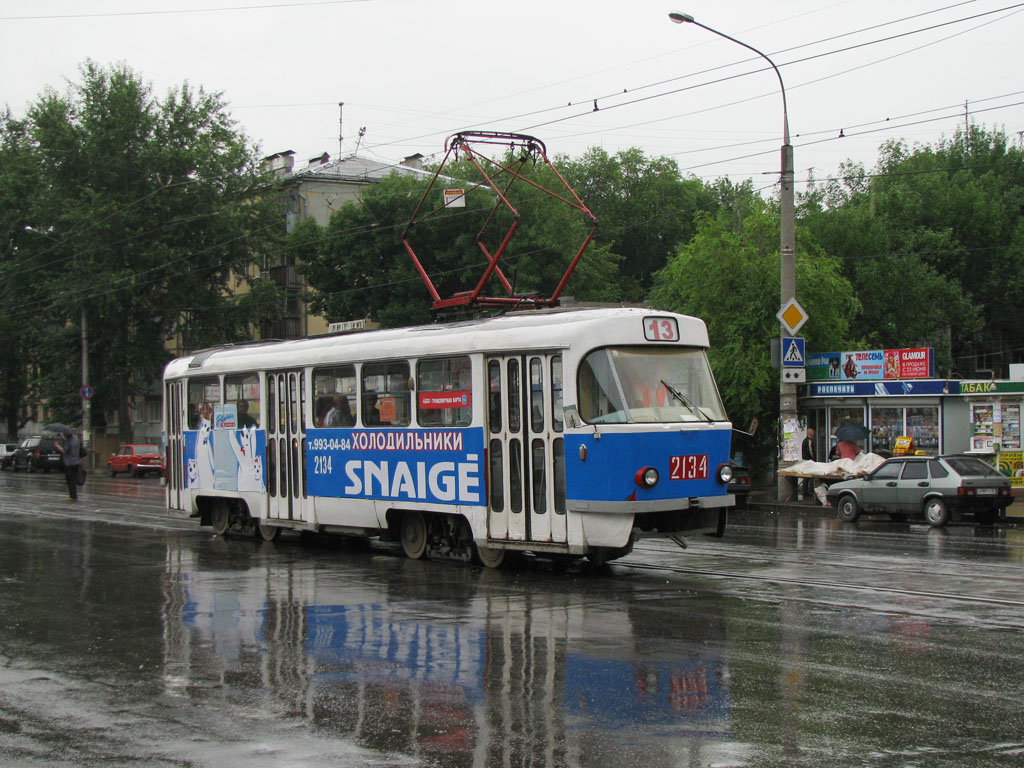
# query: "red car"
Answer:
x=138 y=459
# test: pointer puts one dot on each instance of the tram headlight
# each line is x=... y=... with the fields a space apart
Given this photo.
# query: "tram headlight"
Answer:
x=724 y=474
x=646 y=477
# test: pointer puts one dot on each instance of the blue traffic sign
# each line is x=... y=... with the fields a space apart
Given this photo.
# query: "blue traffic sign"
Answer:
x=86 y=392
x=793 y=352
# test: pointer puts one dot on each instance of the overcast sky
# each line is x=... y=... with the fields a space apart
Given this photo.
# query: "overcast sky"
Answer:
x=415 y=71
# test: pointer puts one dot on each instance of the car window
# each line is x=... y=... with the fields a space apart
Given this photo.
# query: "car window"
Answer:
x=967 y=466
x=915 y=470
x=890 y=470
x=937 y=470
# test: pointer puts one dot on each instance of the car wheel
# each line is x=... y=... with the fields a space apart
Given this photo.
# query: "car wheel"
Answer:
x=133 y=471
x=936 y=512
x=111 y=471
x=849 y=509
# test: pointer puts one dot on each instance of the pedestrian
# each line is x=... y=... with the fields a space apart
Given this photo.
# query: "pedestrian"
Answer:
x=808 y=453
x=847 y=449
x=71 y=447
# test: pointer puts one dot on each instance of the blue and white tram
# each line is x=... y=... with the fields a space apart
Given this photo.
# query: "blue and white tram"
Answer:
x=564 y=432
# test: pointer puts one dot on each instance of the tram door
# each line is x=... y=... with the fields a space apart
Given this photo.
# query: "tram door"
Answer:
x=525 y=456
x=286 y=445
x=174 y=446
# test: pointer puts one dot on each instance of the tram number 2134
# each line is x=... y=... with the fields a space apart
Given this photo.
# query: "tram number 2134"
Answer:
x=688 y=467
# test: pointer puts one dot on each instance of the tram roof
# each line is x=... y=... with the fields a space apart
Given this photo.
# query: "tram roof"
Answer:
x=521 y=331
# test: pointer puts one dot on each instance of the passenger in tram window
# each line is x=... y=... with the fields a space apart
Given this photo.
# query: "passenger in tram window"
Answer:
x=340 y=414
x=245 y=419
x=371 y=416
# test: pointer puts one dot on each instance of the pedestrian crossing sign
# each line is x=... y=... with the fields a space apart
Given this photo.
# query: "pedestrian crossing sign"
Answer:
x=793 y=355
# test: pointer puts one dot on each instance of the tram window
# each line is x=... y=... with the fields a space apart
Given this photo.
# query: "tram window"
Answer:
x=203 y=396
x=515 y=475
x=494 y=395
x=271 y=404
x=497 y=477
x=540 y=486
x=558 y=472
x=536 y=395
x=513 y=396
x=556 y=393
x=244 y=392
x=272 y=465
x=386 y=400
x=444 y=392
x=334 y=396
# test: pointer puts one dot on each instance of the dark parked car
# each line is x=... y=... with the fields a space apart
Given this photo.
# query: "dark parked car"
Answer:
x=739 y=486
x=7 y=454
x=941 y=488
x=37 y=454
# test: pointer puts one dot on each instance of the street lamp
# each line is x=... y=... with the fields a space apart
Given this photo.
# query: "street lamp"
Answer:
x=86 y=403
x=787 y=223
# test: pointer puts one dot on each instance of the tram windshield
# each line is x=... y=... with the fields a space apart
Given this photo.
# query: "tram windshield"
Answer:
x=647 y=385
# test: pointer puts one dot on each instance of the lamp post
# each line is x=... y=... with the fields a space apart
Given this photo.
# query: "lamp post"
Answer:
x=86 y=402
x=787 y=223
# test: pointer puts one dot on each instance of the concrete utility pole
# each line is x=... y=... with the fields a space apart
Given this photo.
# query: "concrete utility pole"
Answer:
x=787 y=219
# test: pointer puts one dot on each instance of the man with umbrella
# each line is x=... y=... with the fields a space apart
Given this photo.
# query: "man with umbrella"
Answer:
x=71 y=447
x=848 y=435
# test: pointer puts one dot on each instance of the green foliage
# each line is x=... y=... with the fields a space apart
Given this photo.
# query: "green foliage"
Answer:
x=147 y=208
x=728 y=275
x=645 y=208
x=932 y=243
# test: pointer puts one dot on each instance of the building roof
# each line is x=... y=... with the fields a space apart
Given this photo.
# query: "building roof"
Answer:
x=357 y=169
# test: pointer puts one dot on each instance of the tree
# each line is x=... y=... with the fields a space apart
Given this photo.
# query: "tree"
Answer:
x=149 y=208
x=645 y=208
x=18 y=183
x=932 y=243
x=728 y=275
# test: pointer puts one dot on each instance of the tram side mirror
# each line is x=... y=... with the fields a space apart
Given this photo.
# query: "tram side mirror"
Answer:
x=572 y=417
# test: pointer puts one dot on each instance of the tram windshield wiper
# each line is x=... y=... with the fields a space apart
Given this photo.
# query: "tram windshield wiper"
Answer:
x=682 y=399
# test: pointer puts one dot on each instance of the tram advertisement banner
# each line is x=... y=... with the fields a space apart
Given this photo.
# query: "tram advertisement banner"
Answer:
x=442 y=466
x=225 y=459
x=871 y=365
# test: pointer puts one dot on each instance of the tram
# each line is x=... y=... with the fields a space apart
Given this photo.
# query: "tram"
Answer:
x=555 y=432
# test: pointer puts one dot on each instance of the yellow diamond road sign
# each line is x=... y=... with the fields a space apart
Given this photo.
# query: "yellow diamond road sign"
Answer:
x=792 y=316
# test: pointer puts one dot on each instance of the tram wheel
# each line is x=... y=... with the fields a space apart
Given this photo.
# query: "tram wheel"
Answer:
x=414 y=535
x=491 y=557
x=267 y=532
x=220 y=517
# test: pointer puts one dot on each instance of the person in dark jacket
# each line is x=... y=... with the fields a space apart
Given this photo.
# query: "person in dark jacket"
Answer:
x=808 y=453
x=71 y=447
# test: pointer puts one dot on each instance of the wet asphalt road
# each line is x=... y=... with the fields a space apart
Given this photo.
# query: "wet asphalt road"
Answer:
x=129 y=636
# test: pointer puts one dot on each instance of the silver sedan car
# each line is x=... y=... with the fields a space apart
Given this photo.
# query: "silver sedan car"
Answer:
x=941 y=488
